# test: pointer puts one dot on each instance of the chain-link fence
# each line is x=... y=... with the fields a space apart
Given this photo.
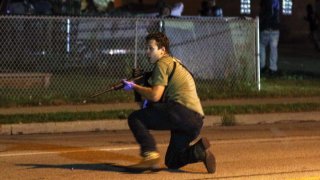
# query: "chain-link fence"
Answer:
x=72 y=57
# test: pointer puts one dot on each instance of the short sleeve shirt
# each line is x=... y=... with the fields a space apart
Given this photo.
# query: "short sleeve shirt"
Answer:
x=181 y=88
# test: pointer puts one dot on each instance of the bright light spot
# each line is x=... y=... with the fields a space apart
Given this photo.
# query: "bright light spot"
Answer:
x=245 y=7
x=115 y=51
x=287 y=7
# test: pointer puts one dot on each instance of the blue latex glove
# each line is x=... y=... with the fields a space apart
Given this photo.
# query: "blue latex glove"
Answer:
x=145 y=103
x=128 y=85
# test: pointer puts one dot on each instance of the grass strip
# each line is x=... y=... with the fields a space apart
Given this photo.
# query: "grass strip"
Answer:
x=123 y=114
x=282 y=86
x=261 y=108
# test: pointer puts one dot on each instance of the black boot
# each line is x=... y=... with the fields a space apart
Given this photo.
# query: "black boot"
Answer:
x=203 y=153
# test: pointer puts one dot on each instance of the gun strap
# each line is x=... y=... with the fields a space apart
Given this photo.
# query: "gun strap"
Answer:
x=183 y=66
x=169 y=78
x=171 y=74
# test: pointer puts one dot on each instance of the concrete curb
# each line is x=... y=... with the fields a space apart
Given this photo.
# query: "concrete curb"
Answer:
x=104 y=125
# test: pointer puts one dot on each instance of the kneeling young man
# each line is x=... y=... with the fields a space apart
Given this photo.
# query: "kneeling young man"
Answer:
x=178 y=109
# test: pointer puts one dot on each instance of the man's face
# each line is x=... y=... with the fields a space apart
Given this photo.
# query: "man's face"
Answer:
x=153 y=52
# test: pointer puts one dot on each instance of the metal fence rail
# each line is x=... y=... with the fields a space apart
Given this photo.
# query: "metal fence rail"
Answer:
x=50 y=57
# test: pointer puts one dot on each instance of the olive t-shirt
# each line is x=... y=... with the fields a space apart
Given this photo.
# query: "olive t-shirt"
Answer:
x=181 y=88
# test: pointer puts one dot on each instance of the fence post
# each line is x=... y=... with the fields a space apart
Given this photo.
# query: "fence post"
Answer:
x=258 y=52
x=136 y=45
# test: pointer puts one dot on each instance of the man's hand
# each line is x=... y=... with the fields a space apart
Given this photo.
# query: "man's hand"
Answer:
x=128 y=85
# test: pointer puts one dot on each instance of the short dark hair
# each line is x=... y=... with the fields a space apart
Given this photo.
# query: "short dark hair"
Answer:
x=161 y=39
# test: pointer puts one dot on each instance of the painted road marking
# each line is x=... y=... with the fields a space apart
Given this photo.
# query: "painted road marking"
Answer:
x=66 y=151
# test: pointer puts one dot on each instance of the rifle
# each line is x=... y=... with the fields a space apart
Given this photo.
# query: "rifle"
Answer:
x=117 y=86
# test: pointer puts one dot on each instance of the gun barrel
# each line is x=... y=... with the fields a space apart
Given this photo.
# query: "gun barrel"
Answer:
x=101 y=92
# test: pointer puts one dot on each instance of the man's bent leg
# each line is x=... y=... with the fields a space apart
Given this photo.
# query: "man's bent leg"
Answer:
x=199 y=152
x=149 y=118
x=187 y=128
x=140 y=122
x=177 y=154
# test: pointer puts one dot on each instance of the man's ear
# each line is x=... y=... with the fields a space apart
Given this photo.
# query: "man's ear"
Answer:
x=163 y=48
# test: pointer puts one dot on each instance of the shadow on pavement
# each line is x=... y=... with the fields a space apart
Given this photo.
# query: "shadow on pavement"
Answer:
x=102 y=167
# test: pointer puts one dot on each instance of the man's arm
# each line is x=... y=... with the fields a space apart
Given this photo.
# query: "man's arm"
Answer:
x=153 y=93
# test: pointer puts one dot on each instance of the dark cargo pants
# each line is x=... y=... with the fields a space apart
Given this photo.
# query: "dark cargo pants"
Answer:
x=184 y=124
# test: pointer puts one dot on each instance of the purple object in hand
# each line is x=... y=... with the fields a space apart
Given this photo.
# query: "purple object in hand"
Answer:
x=128 y=85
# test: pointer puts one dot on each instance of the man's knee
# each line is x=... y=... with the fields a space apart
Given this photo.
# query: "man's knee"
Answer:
x=172 y=159
x=171 y=164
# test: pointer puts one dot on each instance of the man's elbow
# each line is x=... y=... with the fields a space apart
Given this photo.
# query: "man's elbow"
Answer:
x=156 y=93
x=155 y=98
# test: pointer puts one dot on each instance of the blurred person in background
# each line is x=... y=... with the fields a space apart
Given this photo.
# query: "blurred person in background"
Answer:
x=313 y=25
x=216 y=11
x=18 y=7
x=177 y=9
x=317 y=15
x=160 y=4
x=3 y=6
x=42 y=7
x=269 y=35
x=205 y=8
x=317 y=10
